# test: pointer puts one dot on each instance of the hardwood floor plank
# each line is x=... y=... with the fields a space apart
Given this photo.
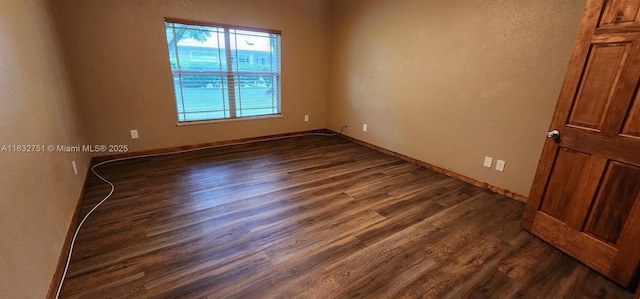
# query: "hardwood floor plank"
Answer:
x=309 y=217
x=495 y=285
x=452 y=278
x=290 y=270
x=387 y=266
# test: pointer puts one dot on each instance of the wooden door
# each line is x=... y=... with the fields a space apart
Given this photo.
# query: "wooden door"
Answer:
x=585 y=199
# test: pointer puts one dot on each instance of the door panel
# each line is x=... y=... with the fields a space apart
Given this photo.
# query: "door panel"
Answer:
x=563 y=183
x=585 y=198
x=620 y=187
x=575 y=176
x=621 y=12
x=594 y=94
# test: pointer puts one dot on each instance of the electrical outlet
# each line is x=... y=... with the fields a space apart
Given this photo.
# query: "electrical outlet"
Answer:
x=488 y=161
x=500 y=165
x=75 y=167
x=306 y=118
x=134 y=134
x=364 y=127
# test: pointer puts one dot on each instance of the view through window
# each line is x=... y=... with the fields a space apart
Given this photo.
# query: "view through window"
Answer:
x=223 y=72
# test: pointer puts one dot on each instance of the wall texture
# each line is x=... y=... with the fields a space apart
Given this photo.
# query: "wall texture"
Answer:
x=449 y=82
x=38 y=191
x=120 y=68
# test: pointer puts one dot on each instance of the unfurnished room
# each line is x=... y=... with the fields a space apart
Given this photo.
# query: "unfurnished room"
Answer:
x=319 y=149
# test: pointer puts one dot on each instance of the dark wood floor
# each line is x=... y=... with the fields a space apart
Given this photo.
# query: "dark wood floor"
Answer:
x=310 y=217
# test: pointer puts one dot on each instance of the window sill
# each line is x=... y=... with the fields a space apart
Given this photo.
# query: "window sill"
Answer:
x=225 y=120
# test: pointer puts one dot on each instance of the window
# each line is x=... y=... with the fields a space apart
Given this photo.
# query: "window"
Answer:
x=214 y=73
x=244 y=59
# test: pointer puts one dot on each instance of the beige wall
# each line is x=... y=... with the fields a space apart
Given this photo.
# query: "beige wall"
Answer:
x=120 y=67
x=449 y=82
x=38 y=191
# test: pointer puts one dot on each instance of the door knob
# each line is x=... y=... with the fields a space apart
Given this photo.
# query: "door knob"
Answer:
x=553 y=134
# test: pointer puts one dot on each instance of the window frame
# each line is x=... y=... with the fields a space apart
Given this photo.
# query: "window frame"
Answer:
x=231 y=76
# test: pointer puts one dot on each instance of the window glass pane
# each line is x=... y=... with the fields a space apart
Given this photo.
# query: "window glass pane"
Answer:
x=196 y=47
x=201 y=96
x=253 y=51
x=257 y=95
